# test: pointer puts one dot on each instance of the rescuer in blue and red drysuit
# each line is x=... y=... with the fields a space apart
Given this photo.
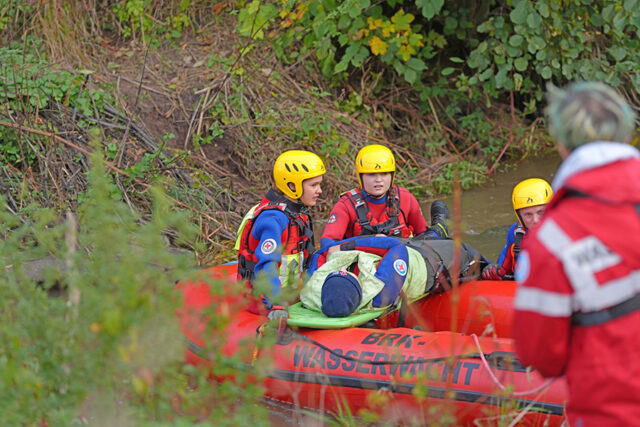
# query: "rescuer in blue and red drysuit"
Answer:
x=530 y=198
x=577 y=308
x=380 y=207
x=277 y=240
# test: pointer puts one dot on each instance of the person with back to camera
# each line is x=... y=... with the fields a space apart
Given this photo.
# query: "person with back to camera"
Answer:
x=577 y=305
x=530 y=198
x=379 y=206
x=277 y=239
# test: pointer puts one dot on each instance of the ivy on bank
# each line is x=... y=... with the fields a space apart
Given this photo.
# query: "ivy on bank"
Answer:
x=485 y=48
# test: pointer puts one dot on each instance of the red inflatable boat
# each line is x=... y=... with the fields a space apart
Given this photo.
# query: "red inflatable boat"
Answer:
x=437 y=365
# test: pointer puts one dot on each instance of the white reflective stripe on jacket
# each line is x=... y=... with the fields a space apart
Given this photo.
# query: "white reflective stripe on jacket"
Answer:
x=581 y=259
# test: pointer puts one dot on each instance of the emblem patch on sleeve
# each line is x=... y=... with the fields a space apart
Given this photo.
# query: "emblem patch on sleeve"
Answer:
x=400 y=266
x=333 y=218
x=268 y=246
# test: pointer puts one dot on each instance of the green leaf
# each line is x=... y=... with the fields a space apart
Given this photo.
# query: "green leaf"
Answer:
x=501 y=78
x=543 y=9
x=430 y=8
x=450 y=25
x=521 y=63
x=534 y=20
x=456 y=59
x=485 y=74
x=619 y=21
x=596 y=19
x=354 y=11
x=341 y=66
x=513 y=51
x=631 y=5
x=517 y=80
x=410 y=75
x=402 y=21
x=618 y=52
x=516 y=40
x=416 y=64
x=608 y=13
x=448 y=71
x=546 y=73
x=519 y=14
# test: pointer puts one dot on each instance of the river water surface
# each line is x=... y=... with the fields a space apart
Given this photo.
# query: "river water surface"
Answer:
x=486 y=211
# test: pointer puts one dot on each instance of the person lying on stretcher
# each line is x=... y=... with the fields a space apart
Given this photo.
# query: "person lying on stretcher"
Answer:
x=373 y=273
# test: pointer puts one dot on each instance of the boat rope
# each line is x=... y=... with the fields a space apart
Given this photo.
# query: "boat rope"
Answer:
x=495 y=379
x=256 y=347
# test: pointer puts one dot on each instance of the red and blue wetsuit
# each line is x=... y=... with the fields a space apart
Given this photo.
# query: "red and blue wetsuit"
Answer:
x=357 y=213
x=277 y=239
x=509 y=254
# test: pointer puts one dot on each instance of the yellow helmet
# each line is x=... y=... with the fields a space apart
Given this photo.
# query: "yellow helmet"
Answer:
x=295 y=166
x=531 y=192
x=375 y=158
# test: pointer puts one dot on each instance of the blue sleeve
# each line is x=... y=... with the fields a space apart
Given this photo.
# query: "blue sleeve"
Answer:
x=375 y=243
x=510 y=240
x=392 y=270
x=268 y=229
x=326 y=242
x=320 y=253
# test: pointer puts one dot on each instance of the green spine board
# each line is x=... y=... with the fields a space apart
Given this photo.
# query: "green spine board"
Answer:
x=302 y=317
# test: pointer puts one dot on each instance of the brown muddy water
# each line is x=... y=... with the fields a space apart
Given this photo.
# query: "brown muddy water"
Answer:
x=486 y=212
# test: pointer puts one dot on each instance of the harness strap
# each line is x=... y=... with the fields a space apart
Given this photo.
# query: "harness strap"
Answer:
x=402 y=315
x=519 y=235
x=611 y=313
x=362 y=209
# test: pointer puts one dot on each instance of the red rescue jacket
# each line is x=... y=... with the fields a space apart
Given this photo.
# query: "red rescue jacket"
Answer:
x=577 y=309
x=353 y=216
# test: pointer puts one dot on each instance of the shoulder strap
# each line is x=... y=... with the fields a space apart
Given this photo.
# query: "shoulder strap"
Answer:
x=519 y=233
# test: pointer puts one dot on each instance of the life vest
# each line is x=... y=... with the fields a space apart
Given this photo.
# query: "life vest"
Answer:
x=297 y=239
x=390 y=225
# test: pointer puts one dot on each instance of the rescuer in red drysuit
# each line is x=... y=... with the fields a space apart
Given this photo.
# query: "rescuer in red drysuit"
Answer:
x=577 y=306
x=379 y=207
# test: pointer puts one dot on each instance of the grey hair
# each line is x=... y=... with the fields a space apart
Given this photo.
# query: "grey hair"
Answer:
x=587 y=111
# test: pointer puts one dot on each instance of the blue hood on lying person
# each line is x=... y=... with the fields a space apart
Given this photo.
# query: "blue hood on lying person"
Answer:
x=373 y=273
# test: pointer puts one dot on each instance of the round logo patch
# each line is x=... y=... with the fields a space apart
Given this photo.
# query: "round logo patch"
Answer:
x=523 y=267
x=333 y=218
x=268 y=246
x=400 y=266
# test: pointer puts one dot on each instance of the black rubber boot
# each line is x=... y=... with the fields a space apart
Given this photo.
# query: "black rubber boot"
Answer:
x=439 y=216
